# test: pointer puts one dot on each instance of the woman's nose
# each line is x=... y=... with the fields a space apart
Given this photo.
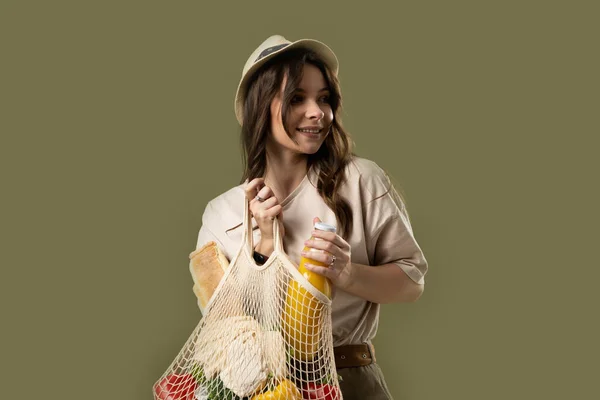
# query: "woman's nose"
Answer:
x=314 y=111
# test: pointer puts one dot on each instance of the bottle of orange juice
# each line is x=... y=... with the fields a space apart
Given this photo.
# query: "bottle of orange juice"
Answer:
x=318 y=281
x=303 y=312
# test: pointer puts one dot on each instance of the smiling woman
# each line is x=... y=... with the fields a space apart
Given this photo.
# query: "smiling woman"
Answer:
x=309 y=116
x=295 y=88
x=299 y=161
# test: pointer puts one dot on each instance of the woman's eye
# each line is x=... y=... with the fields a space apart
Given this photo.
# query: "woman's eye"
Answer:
x=300 y=99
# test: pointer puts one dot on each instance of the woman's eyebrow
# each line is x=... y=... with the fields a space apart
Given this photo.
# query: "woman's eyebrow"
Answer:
x=320 y=90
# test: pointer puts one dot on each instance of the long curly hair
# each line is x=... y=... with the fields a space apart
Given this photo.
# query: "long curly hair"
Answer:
x=334 y=154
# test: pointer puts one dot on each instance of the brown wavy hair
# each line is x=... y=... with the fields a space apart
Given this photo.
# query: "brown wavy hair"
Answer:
x=334 y=154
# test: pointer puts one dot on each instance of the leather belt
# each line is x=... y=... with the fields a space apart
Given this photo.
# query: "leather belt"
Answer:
x=354 y=355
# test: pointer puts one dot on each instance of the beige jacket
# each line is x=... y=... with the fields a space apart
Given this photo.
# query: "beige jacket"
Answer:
x=381 y=234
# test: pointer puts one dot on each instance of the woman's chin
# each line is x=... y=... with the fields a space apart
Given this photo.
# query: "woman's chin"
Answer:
x=310 y=149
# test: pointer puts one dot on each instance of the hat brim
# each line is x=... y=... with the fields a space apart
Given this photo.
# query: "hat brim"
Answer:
x=320 y=48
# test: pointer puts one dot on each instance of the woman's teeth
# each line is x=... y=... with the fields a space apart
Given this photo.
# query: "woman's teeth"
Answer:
x=310 y=130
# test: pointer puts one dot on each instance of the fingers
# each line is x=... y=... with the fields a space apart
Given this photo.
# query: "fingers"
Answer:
x=324 y=245
x=253 y=187
x=263 y=205
x=269 y=209
x=330 y=237
x=257 y=188
x=265 y=193
x=325 y=271
x=266 y=209
x=325 y=258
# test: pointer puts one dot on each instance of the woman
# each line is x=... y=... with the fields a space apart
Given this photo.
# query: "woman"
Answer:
x=299 y=167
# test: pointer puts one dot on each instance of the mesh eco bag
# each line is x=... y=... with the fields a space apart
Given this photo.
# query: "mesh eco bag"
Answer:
x=265 y=334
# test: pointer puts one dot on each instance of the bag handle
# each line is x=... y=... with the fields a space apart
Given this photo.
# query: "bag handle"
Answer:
x=248 y=238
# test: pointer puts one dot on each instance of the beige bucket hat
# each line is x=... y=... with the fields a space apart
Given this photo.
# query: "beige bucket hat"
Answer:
x=272 y=46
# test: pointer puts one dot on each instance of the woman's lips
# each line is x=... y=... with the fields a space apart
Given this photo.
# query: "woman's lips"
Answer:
x=310 y=135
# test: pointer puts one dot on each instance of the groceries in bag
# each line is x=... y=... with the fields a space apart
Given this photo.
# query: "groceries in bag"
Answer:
x=245 y=346
x=207 y=266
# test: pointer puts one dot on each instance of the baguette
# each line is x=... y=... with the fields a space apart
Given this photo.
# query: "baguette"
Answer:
x=207 y=266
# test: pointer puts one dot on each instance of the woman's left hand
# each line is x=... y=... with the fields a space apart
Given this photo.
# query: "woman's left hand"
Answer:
x=340 y=271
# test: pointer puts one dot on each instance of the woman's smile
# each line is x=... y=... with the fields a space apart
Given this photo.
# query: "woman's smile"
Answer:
x=310 y=133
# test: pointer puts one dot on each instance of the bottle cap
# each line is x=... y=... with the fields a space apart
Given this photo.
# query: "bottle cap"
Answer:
x=322 y=226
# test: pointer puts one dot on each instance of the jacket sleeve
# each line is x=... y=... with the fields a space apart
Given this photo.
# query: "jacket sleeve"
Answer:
x=389 y=234
x=209 y=228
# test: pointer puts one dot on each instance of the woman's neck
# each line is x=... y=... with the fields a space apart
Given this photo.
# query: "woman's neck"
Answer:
x=285 y=172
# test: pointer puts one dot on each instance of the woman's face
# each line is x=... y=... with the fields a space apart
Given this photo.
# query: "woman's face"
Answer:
x=310 y=114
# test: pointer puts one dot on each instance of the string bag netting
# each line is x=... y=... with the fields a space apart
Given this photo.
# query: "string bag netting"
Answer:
x=266 y=334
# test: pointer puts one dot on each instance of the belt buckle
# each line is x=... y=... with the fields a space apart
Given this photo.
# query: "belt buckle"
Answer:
x=371 y=351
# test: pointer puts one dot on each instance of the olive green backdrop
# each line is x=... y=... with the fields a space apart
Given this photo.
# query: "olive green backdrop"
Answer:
x=117 y=127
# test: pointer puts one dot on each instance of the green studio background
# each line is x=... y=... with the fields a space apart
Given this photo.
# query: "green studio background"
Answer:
x=118 y=127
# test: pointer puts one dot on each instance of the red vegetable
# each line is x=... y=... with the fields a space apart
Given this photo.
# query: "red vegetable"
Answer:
x=320 y=391
x=176 y=387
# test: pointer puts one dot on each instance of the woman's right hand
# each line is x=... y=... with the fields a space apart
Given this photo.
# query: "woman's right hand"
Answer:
x=264 y=212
